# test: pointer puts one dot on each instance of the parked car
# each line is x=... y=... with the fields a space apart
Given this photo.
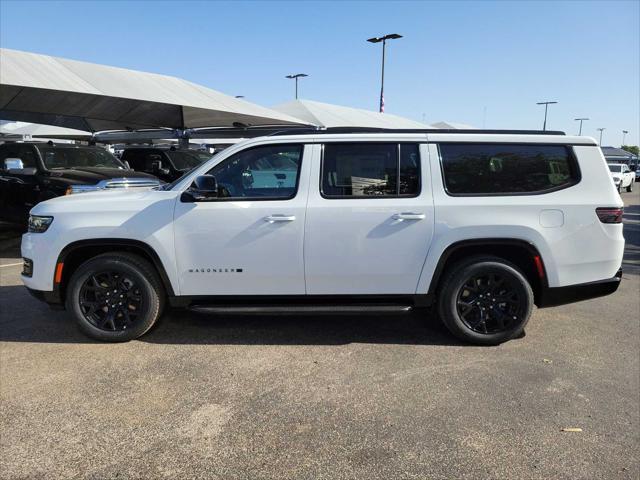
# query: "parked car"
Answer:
x=166 y=163
x=31 y=172
x=478 y=225
x=622 y=176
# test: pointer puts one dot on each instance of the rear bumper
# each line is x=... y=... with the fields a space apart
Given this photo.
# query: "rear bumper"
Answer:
x=552 y=297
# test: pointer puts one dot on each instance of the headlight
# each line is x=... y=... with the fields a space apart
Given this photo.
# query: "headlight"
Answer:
x=39 y=224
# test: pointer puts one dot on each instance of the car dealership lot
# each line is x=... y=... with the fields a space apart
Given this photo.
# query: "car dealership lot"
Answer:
x=322 y=397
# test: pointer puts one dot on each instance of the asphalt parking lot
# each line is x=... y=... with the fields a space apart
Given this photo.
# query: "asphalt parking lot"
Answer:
x=322 y=397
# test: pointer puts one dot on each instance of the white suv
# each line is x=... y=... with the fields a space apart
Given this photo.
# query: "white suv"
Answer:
x=480 y=225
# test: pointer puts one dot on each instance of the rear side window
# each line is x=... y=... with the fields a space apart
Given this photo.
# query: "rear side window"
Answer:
x=504 y=169
x=364 y=170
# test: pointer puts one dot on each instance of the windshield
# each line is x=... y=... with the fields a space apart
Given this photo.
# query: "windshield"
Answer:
x=185 y=160
x=615 y=168
x=61 y=157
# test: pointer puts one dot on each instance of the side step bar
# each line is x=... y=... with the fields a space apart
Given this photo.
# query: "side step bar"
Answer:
x=301 y=309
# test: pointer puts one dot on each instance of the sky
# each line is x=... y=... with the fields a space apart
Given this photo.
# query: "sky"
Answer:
x=481 y=63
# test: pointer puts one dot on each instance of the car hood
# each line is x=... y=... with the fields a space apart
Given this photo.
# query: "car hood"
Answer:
x=92 y=175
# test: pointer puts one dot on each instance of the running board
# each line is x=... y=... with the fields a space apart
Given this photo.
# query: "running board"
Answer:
x=301 y=309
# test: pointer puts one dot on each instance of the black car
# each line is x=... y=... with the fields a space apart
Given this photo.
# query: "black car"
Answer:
x=32 y=172
x=166 y=163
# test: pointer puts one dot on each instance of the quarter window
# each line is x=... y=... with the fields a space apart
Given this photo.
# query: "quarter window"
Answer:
x=363 y=170
x=495 y=169
x=261 y=173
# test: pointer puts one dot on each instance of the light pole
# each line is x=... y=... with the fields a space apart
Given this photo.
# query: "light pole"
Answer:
x=624 y=134
x=601 y=130
x=296 y=77
x=580 y=120
x=546 y=106
x=383 y=39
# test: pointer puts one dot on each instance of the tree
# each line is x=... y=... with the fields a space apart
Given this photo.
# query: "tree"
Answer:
x=631 y=149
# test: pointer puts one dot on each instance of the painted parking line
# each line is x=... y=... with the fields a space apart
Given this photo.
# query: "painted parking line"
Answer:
x=11 y=265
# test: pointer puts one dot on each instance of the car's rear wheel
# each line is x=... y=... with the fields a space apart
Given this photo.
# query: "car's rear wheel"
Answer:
x=115 y=297
x=485 y=300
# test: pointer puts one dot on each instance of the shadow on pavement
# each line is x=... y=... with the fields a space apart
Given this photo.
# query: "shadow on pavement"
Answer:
x=32 y=321
x=631 y=262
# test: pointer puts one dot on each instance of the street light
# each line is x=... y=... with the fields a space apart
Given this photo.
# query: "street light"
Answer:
x=601 y=130
x=546 y=105
x=624 y=134
x=580 y=120
x=383 y=39
x=296 y=77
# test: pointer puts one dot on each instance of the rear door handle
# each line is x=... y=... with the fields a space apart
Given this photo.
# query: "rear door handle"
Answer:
x=279 y=218
x=409 y=216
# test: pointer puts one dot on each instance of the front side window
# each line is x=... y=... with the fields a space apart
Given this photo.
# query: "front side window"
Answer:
x=614 y=168
x=261 y=173
x=62 y=157
x=363 y=170
x=503 y=169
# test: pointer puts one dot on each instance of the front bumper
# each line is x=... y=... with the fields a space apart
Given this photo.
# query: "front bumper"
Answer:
x=53 y=298
x=552 y=297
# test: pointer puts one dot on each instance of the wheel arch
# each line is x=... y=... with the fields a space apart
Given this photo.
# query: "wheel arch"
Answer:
x=76 y=253
x=521 y=253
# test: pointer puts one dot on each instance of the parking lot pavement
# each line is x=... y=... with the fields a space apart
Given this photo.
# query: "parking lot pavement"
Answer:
x=323 y=397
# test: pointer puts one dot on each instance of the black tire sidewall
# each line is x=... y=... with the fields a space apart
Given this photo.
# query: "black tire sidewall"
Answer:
x=454 y=281
x=150 y=298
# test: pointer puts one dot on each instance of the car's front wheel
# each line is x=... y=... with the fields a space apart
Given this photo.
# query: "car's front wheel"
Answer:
x=630 y=187
x=115 y=297
x=485 y=300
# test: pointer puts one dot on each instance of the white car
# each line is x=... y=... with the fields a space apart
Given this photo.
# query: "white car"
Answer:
x=479 y=225
x=622 y=176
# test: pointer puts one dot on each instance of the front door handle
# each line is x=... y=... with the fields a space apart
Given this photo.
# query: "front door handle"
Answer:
x=279 y=218
x=409 y=216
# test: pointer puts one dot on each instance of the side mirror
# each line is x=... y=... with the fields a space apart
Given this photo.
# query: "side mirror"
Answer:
x=204 y=188
x=156 y=168
x=15 y=166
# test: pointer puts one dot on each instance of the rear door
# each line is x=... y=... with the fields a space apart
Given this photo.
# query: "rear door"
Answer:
x=369 y=219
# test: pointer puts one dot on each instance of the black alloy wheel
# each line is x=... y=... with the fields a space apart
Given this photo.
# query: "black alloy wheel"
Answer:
x=111 y=300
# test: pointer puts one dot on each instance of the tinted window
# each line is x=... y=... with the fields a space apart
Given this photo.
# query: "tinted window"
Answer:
x=21 y=151
x=185 y=160
x=505 y=168
x=63 y=157
x=370 y=170
x=135 y=159
x=260 y=173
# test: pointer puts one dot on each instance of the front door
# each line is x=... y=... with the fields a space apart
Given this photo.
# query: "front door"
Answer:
x=249 y=241
x=369 y=221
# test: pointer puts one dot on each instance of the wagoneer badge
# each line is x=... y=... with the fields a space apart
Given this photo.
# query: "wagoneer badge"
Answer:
x=215 y=270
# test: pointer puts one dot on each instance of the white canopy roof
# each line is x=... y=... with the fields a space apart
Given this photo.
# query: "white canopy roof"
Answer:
x=328 y=115
x=86 y=96
x=452 y=126
x=23 y=129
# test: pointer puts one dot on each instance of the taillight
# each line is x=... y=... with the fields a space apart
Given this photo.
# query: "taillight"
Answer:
x=610 y=215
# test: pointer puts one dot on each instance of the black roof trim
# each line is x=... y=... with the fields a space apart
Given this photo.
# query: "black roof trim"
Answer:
x=313 y=131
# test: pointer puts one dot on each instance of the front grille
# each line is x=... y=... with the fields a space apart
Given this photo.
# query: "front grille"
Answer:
x=27 y=267
x=131 y=183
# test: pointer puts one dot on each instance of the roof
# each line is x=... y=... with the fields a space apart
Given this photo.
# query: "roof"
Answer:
x=87 y=96
x=611 y=152
x=328 y=115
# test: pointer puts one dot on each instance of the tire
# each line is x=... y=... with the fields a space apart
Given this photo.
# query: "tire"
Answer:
x=462 y=310
x=134 y=282
x=620 y=188
x=630 y=187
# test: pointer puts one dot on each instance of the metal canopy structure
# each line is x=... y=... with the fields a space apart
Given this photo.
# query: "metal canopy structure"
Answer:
x=19 y=131
x=329 y=116
x=86 y=96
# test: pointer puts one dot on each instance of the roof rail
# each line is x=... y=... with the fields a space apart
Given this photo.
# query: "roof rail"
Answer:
x=313 y=131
